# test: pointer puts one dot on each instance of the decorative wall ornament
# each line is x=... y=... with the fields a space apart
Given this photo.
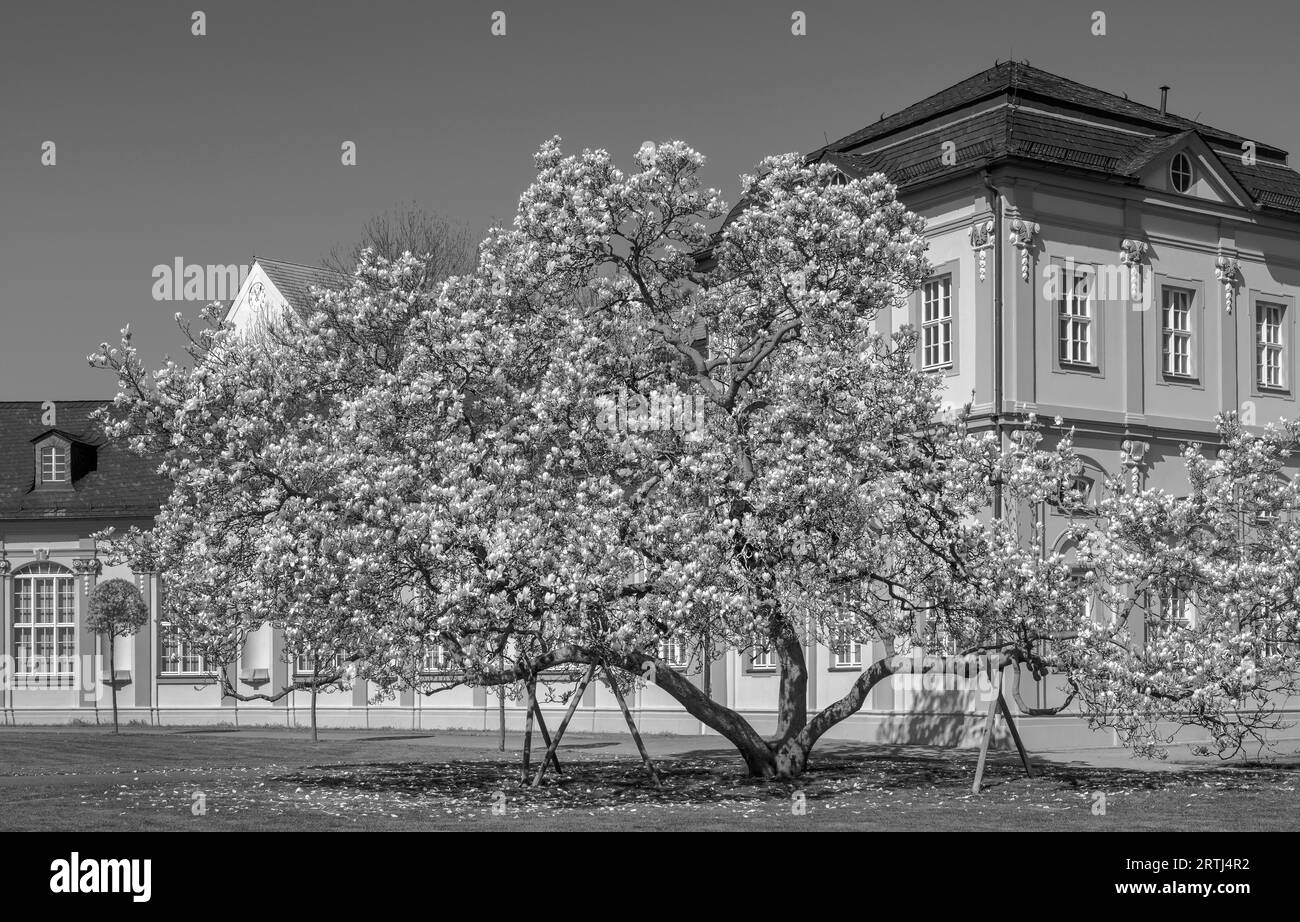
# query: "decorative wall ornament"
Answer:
x=1131 y=254
x=1133 y=451
x=1022 y=238
x=1228 y=271
x=87 y=568
x=42 y=554
x=981 y=241
x=5 y=566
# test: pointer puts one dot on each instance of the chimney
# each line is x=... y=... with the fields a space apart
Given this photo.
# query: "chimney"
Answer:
x=1164 y=99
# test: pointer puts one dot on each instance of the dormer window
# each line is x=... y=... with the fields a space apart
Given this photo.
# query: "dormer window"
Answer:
x=61 y=459
x=1180 y=173
x=54 y=464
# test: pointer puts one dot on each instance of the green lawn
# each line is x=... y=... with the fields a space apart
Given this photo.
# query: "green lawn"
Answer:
x=145 y=779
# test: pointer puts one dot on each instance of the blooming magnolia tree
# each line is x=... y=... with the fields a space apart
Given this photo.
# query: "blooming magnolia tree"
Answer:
x=821 y=499
x=407 y=475
x=1201 y=597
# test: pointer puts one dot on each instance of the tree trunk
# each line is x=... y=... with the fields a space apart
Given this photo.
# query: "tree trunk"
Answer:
x=792 y=696
x=783 y=758
x=792 y=755
x=112 y=681
x=501 y=711
x=787 y=757
x=315 y=688
x=752 y=747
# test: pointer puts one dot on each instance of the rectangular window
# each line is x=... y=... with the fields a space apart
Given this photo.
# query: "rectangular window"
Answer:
x=1269 y=345
x=435 y=660
x=1082 y=598
x=673 y=652
x=1267 y=630
x=1078 y=496
x=304 y=665
x=845 y=652
x=178 y=657
x=54 y=464
x=1075 y=318
x=1176 y=332
x=1175 y=613
x=761 y=657
x=936 y=323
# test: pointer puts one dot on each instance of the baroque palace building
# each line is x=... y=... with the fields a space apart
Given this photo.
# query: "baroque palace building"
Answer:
x=1127 y=269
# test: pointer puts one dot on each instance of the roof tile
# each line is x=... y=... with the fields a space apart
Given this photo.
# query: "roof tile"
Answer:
x=123 y=484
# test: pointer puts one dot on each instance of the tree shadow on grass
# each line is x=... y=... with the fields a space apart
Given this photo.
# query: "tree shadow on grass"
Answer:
x=867 y=774
x=591 y=782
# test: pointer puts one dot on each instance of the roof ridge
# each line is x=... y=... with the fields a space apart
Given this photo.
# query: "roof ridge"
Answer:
x=1155 y=114
x=23 y=403
x=860 y=133
x=289 y=262
x=1115 y=96
x=1016 y=79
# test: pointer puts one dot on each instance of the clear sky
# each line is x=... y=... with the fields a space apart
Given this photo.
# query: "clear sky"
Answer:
x=216 y=148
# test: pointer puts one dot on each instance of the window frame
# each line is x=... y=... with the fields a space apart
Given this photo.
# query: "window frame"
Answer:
x=1155 y=627
x=63 y=449
x=1155 y=330
x=1069 y=272
x=675 y=644
x=169 y=632
x=842 y=640
x=1089 y=600
x=950 y=270
x=434 y=662
x=301 y=660
x=1190 y=173
x=1087 y=505
x=1247 y=344
x=54 y=463
x=1171 y=333
x=63 y=589
x=1264 y=518
x=939 y=324
x=1274 y=346
x=766 y=664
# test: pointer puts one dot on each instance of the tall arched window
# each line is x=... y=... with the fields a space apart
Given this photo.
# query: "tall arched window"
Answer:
x=45 y=620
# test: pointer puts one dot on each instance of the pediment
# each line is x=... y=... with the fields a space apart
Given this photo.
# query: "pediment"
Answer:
x=1210 y=179
x=259 y=301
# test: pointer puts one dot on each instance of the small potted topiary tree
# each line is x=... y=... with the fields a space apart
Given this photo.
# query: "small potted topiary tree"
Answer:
x=116 y=610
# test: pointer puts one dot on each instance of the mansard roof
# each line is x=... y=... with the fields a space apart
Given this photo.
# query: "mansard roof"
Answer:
x=122 y=485
x=1015 y=112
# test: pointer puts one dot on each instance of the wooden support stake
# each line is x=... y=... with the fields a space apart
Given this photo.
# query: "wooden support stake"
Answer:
x=988 y=738
x=531 y=686
x=564 y=724
x=546 y=738
x=1015 y=735
x=631 y=725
